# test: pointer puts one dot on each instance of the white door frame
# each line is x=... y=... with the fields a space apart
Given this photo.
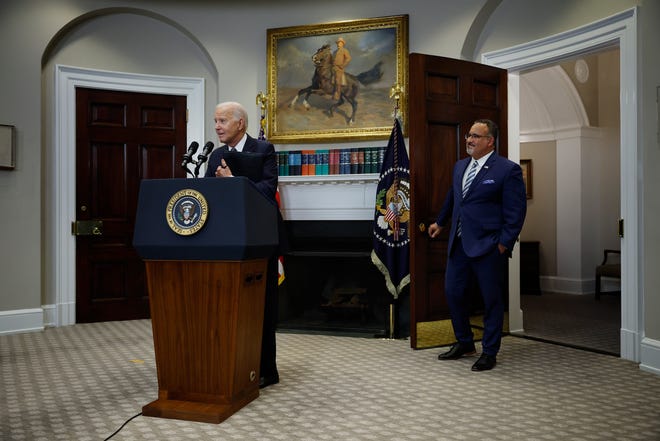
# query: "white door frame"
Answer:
x=60 y=191
x=618 y=30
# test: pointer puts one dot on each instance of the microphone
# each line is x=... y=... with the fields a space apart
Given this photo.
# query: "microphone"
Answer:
x=202 y=157
x=206 y=151
x=187 y=157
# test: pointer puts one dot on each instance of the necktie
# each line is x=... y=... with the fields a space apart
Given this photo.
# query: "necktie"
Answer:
x=470 y=177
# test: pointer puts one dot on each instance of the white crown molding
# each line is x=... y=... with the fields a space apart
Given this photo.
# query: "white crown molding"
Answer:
x=603 y=33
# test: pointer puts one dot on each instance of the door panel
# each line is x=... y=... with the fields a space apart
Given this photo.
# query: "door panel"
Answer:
x=447 y=96
x=121 y=138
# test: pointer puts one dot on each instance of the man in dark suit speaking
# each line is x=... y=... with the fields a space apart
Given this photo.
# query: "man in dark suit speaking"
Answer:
x=487 y=204
x=231 y=127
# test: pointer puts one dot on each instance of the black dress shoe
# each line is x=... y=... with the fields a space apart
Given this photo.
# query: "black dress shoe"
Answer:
x=485 y=363
x=457 y=351
x=268 y=380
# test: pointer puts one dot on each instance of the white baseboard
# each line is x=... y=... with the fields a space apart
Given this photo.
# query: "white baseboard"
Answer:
x=650 y=356
x=21 y=320
x=630 y=345
x=50 y=315
x=566 y=286
x=577 y=286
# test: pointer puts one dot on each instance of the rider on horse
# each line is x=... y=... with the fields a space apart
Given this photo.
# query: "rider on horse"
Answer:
x=341 y=59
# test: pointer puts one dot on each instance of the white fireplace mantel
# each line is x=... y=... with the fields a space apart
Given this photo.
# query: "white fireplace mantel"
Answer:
x=328 y=197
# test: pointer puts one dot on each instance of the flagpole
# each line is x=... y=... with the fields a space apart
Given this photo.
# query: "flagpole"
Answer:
x=262 y=99
x=395 y=94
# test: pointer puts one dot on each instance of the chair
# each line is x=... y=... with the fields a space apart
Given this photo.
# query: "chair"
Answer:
x=608 y=268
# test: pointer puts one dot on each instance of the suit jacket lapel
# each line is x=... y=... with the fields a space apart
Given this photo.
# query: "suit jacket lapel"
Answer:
x=486 y=168
x=250 y=144
x=459 y=177
x=482 y=173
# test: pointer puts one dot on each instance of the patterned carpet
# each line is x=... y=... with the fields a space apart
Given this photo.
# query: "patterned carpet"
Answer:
x=576 y=320
x=83 y=382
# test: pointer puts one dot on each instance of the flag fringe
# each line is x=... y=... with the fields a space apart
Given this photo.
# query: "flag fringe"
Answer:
x=394 y=290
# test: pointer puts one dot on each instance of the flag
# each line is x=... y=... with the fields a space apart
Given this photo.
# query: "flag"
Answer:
x=280 y=259
x=391 y=253
x=262 y=128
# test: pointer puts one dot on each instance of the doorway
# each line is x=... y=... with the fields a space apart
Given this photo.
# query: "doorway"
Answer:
x=61 y=189
x=615 y=31
x=121 y=138
x=569 y=127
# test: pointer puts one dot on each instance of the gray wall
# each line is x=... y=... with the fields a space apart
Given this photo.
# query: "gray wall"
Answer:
x=197 y=37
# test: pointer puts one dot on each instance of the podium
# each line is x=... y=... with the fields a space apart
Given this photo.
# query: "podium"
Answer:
x=205 y=243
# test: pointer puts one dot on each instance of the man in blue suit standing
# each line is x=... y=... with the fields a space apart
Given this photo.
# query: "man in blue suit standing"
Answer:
x=487 y=204
x=231 y=127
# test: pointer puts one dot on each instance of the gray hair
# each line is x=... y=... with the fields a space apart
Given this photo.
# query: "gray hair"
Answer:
x=237 y=110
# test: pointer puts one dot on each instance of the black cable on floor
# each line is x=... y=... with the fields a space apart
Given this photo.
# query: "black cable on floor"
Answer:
x=122 y=426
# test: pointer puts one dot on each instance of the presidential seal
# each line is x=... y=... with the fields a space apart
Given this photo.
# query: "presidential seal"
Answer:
x=393 y=214
x=186 y=212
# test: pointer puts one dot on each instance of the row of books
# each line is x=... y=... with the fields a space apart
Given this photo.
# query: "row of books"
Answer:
x=330 y=162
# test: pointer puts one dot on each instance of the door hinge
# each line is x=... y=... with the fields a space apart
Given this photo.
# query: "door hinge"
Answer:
x=621 y=228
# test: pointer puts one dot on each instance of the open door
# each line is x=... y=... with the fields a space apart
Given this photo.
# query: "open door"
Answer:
x=446 y=96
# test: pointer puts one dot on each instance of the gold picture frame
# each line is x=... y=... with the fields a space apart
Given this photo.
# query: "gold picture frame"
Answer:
x=298 y=63
x=526 y=165
x=7 y=147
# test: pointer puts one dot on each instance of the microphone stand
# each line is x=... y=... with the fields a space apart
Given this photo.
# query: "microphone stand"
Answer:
x=202 y=159
x=185 y=167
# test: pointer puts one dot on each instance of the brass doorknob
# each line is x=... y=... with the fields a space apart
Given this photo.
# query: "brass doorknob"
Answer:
x=422 y=227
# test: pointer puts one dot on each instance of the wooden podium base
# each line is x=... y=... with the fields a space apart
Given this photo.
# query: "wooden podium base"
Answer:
x=195 y=411
x=207 y=319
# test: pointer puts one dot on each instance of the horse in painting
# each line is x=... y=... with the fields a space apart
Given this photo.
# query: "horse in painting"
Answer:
x=323 y=83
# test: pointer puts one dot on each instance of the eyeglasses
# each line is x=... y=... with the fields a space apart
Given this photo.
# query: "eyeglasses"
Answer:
x=475 y=136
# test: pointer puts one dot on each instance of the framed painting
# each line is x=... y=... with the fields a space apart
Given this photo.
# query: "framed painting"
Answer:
x=526 y=165
x=7 y=147
x=332 y=82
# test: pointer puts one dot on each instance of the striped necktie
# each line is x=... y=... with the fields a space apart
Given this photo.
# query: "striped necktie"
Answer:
x=470 y=177
x=468 y=181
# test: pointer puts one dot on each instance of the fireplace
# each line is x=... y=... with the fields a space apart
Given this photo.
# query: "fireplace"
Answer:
x=331 y=284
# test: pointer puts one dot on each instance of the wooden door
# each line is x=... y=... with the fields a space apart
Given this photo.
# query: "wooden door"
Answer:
x=121 y=138
x=446 y=96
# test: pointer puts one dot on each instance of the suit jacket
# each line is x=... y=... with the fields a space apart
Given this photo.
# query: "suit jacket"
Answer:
x=268 y=183
x=493 y=210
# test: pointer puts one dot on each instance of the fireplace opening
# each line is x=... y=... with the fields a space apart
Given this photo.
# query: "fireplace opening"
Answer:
x=331 y=284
